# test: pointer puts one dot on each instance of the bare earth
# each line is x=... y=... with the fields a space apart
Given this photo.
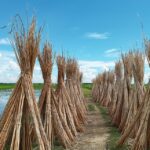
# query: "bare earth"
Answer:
x=95 y=135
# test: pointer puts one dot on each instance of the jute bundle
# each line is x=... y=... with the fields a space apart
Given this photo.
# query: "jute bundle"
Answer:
x=100 y=87
x=127 y=62
x=78 y=77
x=79 y=91
x=97 y=87
x=56 y=126
x=116 y=89
x=45 y=60
x=110 y=84
x=74 y=91
x=138 y=89
x=116 y=119
x=63 y=103
x=60 y=126
x=70 y=82
x=104 y=87
x=141 y=140
x=22 y=106
x=104 y=93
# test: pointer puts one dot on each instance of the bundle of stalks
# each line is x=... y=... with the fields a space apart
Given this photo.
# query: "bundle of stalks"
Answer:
x=138 y=90
x=45 y=60
x=103 y=92
x=60 y=127
x=127 y=62
x=116 y=90
x=63 y=106
x=103 y=88
x=141 y=140
x=77 y=106
x=100 y=85
x=22 y=109
x=100 y=82
x=110 y=84
x=117 y=111
x=110 y=87
x=141 y=118
x=79 y=77
x=97 y=87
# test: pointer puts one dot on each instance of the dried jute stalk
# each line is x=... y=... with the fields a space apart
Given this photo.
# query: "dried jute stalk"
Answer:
x=21 y=109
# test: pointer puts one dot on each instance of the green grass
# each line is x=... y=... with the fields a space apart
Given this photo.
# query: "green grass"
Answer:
x=113 y=131
x=87 y=87
x=58 y=148
x=8 y=86
x=91 y=107
x=57 y=145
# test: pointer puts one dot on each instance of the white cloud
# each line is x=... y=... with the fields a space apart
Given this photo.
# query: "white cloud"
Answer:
x=91 y=68
x=146 y=77
x=98 y=36
x=146 y=61
x=10 y=71
x=4 y=41
x=13 y=65
x=113 y=52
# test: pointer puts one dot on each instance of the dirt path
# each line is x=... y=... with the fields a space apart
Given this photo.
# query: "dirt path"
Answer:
x=96 y=133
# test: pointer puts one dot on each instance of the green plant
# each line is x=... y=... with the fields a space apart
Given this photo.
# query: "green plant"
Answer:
x=91 y=107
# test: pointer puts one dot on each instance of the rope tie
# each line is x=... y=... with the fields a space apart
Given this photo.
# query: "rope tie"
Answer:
x=23 y=73
x=47 y=81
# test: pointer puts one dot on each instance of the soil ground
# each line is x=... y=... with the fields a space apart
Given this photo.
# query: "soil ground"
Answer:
x=96 y=132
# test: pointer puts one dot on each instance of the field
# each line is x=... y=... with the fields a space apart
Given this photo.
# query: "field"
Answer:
x=7 y=86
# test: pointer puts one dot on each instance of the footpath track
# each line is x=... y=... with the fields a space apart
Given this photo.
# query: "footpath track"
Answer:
x=96 y=132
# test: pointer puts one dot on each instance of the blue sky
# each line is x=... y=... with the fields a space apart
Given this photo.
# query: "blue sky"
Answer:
x=93 y=31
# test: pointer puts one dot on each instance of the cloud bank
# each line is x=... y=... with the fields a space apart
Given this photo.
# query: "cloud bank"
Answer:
x=5 y=41
x=97 y=36
x=10 y=71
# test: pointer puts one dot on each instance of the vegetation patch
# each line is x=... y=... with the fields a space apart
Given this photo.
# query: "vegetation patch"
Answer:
x=38 y=86
x=113 y=131
x=87 y=87
x=91 y=107
x=57 y=145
